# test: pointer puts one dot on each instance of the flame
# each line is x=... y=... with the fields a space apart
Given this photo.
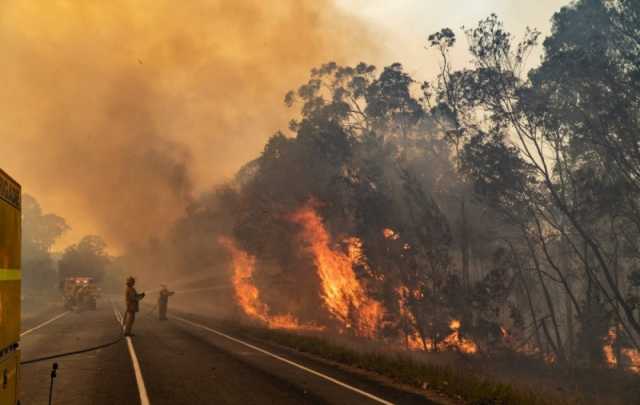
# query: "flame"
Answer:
x=632 y=355
x=454 y=340
x=354 y=251
x=607 y=349
x=390 y=234
x=413 y=340
x=248 y=295
x=549 y=358
x=342 y=292
x=508 y=339
x=634 y=359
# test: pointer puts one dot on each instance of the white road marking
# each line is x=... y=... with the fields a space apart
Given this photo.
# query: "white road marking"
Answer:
x=144 y=398
x=35 y=328
x=117 y=314
x=292 y=363
x=142 y=389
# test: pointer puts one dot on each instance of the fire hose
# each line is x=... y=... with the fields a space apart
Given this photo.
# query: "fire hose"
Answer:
x=65 y=354
x=151 y=311
x=86 y=350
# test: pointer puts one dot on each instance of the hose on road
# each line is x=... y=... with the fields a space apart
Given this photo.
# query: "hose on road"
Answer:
x=86 y=350
x=65 y=354
x=150 y=312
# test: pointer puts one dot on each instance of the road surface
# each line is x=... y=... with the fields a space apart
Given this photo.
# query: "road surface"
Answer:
x=188 y=359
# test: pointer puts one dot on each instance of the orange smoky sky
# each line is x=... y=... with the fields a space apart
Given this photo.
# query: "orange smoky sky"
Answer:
x=116 y=113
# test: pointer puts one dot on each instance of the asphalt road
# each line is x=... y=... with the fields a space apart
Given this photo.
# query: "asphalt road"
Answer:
x=188 y=359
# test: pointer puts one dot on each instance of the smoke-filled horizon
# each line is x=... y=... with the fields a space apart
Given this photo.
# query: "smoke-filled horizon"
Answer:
x=115 y=114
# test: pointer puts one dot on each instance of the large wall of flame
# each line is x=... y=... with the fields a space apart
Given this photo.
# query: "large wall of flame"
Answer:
x=114 y=114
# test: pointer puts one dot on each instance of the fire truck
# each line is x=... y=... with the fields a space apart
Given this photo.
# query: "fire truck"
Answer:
x=10 y=279
x=80 y=293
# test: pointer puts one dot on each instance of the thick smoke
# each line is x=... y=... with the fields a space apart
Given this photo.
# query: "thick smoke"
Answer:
x=117 y=113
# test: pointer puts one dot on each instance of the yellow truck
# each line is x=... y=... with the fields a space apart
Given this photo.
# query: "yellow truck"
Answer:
x=10 y=278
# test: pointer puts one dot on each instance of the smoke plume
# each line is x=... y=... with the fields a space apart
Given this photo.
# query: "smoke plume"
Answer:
x=117 y=113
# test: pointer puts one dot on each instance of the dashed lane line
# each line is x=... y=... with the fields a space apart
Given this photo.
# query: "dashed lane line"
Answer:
x=142 y=390
x=292 y=363
x=43 y=324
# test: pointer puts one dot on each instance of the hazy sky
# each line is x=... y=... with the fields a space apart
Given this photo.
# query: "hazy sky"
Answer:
x=403 y=26
x=116 y=114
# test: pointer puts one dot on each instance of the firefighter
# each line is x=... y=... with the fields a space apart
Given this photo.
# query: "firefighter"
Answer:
x=75 y=298
x=81 y=296
x=163 y=302
x=132 y=299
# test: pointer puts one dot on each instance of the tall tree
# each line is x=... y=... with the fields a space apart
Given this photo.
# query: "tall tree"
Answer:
x=574 y=122
x=87 y=258
x=39 y=233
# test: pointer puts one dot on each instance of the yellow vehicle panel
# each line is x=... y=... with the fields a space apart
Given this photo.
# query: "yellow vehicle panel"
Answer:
x=9 y=378
x=10 y=279
x=10 y=235
x=9 y=313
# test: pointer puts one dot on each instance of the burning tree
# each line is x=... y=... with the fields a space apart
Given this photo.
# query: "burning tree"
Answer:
x=352 y=209
x=491 y=210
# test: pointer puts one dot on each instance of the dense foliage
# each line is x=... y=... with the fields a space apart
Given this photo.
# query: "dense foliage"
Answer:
x=511 y=194
x=39 y=233
x=87 y=258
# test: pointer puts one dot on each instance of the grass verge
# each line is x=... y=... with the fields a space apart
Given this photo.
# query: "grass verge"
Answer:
x=455 y=383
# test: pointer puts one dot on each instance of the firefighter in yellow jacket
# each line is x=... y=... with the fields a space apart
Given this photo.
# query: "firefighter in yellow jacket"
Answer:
x=132 y=299
x=163 y=302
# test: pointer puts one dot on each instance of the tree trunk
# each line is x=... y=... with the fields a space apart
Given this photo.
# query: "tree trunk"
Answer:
x=525 y=285
x=464 y=245
x=557 y=345
x=564 y=268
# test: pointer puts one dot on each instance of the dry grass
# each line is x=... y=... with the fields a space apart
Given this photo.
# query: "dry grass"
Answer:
x=404 y=368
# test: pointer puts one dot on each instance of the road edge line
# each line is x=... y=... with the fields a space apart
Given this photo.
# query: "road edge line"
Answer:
x=285 y=360
x=43 y=324
x=142 y=389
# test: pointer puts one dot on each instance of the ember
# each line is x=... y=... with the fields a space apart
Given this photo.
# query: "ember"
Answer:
x=390 y=234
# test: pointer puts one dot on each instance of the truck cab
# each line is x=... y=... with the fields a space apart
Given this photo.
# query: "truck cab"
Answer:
x=80 y=293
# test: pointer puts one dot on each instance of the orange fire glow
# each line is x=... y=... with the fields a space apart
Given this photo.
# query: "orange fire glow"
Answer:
x=390 y=234
x=634 y=359
x=632 y=355
x=607 y=349
x=342 y=292
x=413 y=340
x=454 y=340
x=248 y=295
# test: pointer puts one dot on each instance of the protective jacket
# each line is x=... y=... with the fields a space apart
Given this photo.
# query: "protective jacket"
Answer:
x=133 y=298
x=164 y=296
x=163 y=303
